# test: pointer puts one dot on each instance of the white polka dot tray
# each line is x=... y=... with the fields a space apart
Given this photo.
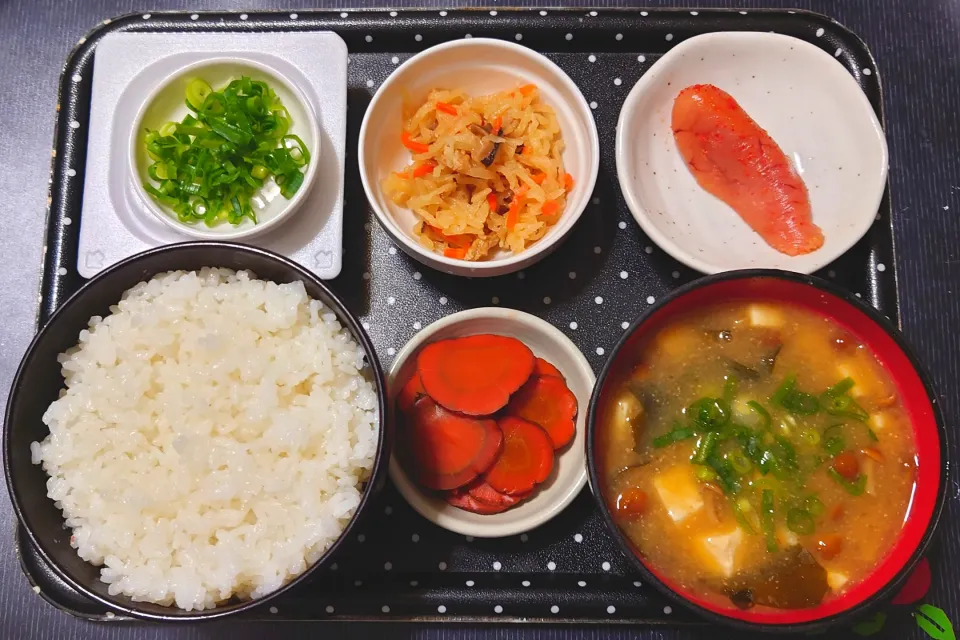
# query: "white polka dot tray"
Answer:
x=397 y=565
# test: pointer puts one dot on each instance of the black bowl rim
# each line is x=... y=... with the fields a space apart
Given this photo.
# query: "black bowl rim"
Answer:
x=819 y=624
x=382 y=456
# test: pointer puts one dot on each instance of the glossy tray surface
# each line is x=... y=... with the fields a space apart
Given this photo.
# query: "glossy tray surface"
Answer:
x=399 y=566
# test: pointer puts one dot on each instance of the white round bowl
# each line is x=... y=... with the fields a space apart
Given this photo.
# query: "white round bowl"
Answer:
x=166 y=103
x=808 y=103
x=569 y=471
x=478 y=66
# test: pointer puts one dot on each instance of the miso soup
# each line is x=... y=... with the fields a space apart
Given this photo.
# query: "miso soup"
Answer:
x=756 y=454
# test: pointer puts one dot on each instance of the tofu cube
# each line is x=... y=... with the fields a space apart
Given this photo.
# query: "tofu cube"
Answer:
x=836 y=580
x=878 y=421
x=719 y=551
x=678 y=491
x=850 y=370
x=761 y=315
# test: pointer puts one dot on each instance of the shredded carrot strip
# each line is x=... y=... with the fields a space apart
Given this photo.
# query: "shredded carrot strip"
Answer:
x=549 y=208
x=527 y=150
x=513 y=213
x=413 y=145
x=497 y=125
x=447 y=108
x=424 y=169
x=492 y=201
x=402 y=175
x=568 y=182
x=459 y=253
x=539 y=177
x=527 y=89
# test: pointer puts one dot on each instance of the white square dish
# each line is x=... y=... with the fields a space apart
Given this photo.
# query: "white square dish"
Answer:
x=115 y=223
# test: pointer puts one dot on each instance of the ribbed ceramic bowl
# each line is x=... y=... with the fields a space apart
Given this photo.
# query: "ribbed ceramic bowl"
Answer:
x=39 y=380
x=913 y=386
x=569 y=472
x=478 y=66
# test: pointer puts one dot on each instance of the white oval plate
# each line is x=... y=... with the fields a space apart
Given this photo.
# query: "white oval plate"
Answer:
x=804 y=98
x=569 y=471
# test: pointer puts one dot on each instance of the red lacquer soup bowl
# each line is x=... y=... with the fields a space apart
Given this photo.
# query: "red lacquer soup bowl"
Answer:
x=879 y=335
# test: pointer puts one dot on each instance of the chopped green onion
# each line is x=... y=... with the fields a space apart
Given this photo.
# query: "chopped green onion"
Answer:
x=833 y=441
x=844 y=407
x=785 y=388
x=208 y=167
x=706 y=474
x=800 y=403
x=766 y=520
x=197 y=92
x=872 y=435
x=814 y=506
x=710 y=414
x=757 y=408
x=726 y=476
x=740 y=463
x=855 y=487
x=810 y=436
x=740 y=509
x=705 y=447
x=676 y=435
x=800 y=522
x=840 y=388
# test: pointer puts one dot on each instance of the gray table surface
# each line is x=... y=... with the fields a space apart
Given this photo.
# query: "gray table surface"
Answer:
x=917 y=46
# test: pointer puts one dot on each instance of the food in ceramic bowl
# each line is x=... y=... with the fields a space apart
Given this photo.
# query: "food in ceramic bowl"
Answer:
x=225 y=149
x=208 y=434
x=789 y=177
x=767 y=450
x=490 y=427
x=487 y=172
x=505 y=156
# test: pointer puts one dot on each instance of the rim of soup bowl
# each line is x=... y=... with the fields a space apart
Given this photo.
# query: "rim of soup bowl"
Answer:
x=792 y=622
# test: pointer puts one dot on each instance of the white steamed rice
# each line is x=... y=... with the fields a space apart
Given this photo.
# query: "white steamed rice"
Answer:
x=212 y=440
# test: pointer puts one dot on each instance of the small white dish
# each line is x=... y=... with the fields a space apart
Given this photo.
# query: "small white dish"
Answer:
x=166 y=103
x=569 y=472
x=808 y=103
x=478 y=66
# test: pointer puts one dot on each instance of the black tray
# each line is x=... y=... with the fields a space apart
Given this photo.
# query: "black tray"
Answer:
x=434 y=574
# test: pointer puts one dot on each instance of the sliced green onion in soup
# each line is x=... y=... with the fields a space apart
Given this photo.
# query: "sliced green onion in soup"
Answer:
x=710 y=414
x=853 y=487
x=800 y=522
x=814 y=506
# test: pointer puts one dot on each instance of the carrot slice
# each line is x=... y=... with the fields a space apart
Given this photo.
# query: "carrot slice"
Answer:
x=446 y=108
x=526 y=459
x=481 y=491
x=538 y=177
x=547 y=402
x=463 y=500
x=458 y=253
x=476 y=374
x=447 y=450
x=544 y=368
x=410 y=393
x=568 y=182
x=527 y=89
x=424 y=169
x=413 y=145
